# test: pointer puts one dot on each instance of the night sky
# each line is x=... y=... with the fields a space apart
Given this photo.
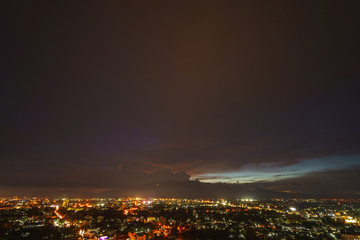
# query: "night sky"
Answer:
x=108 y=97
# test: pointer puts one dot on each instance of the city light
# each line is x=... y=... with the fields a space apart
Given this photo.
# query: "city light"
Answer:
x=136 y=218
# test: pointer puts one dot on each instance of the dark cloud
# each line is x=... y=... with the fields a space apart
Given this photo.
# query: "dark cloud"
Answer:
x=100 y=95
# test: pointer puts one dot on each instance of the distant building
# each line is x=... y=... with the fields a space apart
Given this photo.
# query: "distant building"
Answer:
x=163 y=220
x=100 y=219
x=141 y=237
x=65 y=203
x=134 y=236
x=347 y=236
x=149 y=219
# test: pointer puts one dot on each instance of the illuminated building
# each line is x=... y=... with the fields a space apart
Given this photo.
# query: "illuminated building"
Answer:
x=65 y=203
x=141 y=237
x=350 y=236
